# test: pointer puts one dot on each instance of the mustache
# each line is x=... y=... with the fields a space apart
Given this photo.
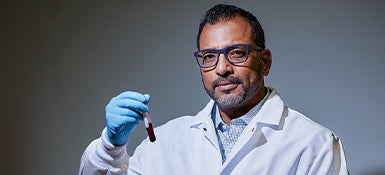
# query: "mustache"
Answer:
x=229 y=80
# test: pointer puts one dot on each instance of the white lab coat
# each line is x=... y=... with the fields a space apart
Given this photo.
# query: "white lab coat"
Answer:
x=278 y=141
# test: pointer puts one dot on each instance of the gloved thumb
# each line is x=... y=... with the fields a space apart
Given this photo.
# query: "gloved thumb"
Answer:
x=147 y=97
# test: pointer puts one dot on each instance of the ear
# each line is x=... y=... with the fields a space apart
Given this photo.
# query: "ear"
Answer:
x=266 y=58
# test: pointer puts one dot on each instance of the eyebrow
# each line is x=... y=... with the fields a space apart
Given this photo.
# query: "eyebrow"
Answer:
x=221 y=48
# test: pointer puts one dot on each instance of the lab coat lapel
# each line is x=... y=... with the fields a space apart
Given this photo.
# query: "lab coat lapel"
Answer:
x=253 y=136
x=250 y=139
x=204 y=123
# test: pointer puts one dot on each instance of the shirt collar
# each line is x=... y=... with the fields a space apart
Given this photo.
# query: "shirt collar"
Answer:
x=270 y=112
x=245 y=118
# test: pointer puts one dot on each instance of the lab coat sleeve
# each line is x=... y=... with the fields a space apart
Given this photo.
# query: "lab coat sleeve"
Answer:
x=331 y=159
x=102 y=157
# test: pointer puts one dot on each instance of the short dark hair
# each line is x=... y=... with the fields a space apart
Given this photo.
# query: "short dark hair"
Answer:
x=223 y=12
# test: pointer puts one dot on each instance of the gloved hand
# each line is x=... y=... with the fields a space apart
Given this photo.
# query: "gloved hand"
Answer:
x=123 y=113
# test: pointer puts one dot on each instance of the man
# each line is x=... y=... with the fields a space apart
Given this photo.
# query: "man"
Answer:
x=244 y=129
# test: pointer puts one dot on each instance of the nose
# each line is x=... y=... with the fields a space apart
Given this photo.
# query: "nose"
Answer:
x=224 y=67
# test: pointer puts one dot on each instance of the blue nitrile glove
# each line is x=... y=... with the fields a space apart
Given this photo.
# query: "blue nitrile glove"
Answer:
x=123 y=113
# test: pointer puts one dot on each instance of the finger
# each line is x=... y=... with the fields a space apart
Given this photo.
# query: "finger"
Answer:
x=122 y=120
x=115 y=127
x=130 y=104
x=147 y=96
x=134 y=96
x=124 y=112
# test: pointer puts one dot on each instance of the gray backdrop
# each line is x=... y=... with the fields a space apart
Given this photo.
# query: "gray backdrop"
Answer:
x=62 y=61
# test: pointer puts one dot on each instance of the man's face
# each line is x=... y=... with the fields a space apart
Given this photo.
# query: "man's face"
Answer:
x=233 y=85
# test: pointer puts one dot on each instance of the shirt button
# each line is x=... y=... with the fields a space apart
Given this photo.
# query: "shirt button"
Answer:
x=204 y=129
x=224 y=127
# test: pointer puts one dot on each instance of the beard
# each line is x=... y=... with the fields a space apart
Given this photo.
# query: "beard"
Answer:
x=230 y=100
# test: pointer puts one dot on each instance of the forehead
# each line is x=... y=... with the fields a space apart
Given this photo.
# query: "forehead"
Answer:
x=224 y=33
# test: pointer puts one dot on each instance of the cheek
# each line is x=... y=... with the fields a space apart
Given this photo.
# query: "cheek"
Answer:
x=253 y=80
x=250 y=77
x=206 y=79
x=256 y=70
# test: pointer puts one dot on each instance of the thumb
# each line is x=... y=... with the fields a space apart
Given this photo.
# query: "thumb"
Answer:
x=147 y=97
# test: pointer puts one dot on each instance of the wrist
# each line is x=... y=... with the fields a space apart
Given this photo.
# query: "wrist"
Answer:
x=109 y=140
x=116 y=140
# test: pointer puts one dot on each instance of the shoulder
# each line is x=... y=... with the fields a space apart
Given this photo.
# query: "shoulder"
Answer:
x=293 y=120
x=307 y=129
x=302 y=120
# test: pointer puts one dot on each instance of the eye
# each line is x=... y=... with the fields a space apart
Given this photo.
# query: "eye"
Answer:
x=209 y=57
x=237 y=53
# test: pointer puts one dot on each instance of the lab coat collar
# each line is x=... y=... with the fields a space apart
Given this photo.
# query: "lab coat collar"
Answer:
x=203 y=122
x=270 y=113
x=204 y=115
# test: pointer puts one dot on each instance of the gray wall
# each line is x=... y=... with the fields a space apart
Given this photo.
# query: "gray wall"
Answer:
x=62 y=61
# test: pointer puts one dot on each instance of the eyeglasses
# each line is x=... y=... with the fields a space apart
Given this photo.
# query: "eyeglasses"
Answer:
x=235 y=54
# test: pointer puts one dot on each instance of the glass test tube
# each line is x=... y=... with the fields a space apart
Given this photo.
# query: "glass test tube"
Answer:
x=148 y=123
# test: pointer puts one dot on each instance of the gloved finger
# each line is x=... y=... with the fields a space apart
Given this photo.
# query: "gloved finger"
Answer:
x=123 y=112
x=134 y=96
x=117 y=121
x=147 y=96
x=130 y=104
x=116 y=127
x=125 y=108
